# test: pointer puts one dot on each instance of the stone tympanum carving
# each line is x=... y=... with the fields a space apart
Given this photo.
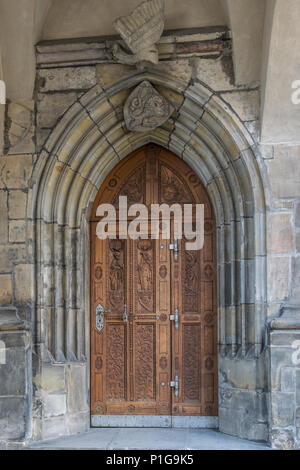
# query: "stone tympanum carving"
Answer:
x=141 y=30
x=145 y=109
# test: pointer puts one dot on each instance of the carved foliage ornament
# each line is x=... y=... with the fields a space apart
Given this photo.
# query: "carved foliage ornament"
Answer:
x=146 y=109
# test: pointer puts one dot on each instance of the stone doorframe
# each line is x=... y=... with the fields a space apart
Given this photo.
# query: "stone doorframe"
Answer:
x=86 y=144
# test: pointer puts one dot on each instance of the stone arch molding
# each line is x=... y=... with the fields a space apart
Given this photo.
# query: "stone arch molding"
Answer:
x=86 y=144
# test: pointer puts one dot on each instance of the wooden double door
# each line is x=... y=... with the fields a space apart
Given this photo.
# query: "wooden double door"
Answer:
x=153 y=310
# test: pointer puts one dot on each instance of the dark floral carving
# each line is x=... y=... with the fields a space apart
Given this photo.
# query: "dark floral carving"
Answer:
x=208 y=272
x=98 y=363
x=191 y=353
x=163 y=272
x=133 y=188
x=145 y=274
x=209 y=363
x=98 y=273
x=172 y=188
x=163 y=363
x=144 y=362
x=116 y=274
x=191 y=281
x=115 y=362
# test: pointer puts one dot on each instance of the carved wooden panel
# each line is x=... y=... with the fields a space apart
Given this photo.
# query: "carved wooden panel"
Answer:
x=132 y=363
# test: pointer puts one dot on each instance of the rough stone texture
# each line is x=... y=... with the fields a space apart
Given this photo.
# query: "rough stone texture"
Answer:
x=23 y=283
x=217 y=74
x=68 y=78
x=244 y=103
x=17 y=204
x=50 y=107
x=17 y=231
x=15 y=171
x=15 y=383
x=296 y=277
x=285 y=368
x=20 y=128
x=5 y=289
x=3 y=217
x=278 y=278
x=283 y=170
x=280 y=233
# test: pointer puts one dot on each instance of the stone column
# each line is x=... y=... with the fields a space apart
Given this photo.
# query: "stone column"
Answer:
x=15 y=384
x=284 y=337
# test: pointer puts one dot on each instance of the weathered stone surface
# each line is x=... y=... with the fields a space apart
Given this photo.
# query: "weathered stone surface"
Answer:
x=278 y=276
x=3 y=217
x=51 y=379
x=50 y=107
x=283 y=409
x=17 y=204
x=180 y=70
x=41 y=137
x=298 y=242
x=15 y=171
x=13 y=417
x=20 y=131
x=253 y=128
x=76 y=386
x=296 y=277
x=107 y=74
x=54 y=404
x=282 y=439
x=288 y=382
x=17 y=231
x=5 y=289
x=284 y=172
x=145 y=109
x=11 y=255
x=279 y=233
x=13 y=372
x=67 y=78
x=244 y=103
x=23 y=283
x=297 y=215
x=217 y=74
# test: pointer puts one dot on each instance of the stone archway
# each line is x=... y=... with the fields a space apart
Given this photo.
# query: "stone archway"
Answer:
x=86 y=144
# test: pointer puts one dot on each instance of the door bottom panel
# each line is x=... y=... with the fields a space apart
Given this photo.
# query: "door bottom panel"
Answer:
x=147 y=421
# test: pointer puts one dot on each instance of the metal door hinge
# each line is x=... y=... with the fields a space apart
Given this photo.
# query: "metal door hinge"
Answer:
x=174 y=246
x=175 y=318
x=175 y=384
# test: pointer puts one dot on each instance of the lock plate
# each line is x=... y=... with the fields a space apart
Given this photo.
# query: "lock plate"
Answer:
x=100 y=317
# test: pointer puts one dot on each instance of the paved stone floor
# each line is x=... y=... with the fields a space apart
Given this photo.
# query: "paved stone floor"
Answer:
x=150 y=438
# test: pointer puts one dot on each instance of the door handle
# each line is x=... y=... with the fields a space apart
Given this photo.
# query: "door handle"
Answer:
x=175 y=317
x=175 y=384
x=100 y=311
x=174 y=246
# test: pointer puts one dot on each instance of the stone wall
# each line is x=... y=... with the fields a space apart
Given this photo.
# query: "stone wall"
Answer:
x=61 y=383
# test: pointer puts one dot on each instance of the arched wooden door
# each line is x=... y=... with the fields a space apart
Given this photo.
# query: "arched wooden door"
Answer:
x=137 y=353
